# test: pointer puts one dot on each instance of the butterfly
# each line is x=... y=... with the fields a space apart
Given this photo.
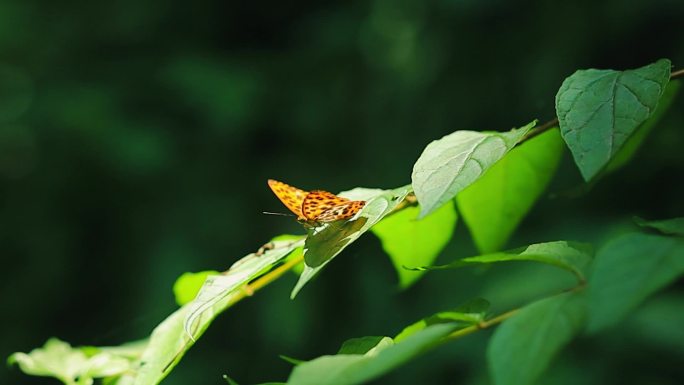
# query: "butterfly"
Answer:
x=315 y=207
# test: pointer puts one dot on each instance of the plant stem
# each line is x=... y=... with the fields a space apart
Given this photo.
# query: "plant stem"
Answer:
x=677 y=74
x=539 y=129
x=249 y=289
x=482 y=325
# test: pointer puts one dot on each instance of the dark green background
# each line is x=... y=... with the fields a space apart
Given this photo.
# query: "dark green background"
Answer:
x=136 y=138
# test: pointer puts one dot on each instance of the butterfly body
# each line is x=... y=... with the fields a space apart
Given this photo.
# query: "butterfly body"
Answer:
x=316 y=207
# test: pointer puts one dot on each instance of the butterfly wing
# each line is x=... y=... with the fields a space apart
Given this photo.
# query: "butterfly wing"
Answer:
x=292 y=197
x=345 y=210
x=322 y=206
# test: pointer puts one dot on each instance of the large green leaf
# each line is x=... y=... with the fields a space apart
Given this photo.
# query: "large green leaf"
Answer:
x=450 y=164
x=349 y=369
x=217 y=288
x=599 y=110
x=72 y=366
x=674 y=226
x=627 y=270
x=325 y=242
x=415 y=242
x=493 y=206
x=571 y=256
x=171 y=339
x=523 y=346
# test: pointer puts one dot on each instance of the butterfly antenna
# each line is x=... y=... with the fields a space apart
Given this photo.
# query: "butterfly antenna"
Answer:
x=280 y=214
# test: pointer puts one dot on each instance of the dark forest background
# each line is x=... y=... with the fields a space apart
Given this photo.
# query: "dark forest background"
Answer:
x=136 y=138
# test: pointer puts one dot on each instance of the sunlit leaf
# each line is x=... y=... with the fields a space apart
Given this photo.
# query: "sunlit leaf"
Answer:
x=177 y=333
x=217 y=287
x=187 y=286
x=523 y=346
x=493 y=205
x=415 y=242
x=627 y=270
x=326 y=242
x=70 y=365
x=450 y=164
x=599 y=110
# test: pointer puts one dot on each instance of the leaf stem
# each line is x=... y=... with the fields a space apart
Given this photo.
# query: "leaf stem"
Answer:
x=496 y=320
x=250 y=288
x=676 y=74
x=538 y=130
x=481 y=325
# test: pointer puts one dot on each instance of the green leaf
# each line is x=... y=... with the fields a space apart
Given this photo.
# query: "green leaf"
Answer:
x=627 y=270
x=627 y=152
x=413 y=242
x=523 y=346
x=349 y=369
x=599 y=110
x=130 y=350
x=171 y=339
x=361 y=345
x=187 y=286
x=468 y=314
x=493 y=206
x=666 y=312
x=217 y=288
x=70 y=365
x=326 y=242
x=571 y=256
x=674 y=226
x=450 y=164
x=296 y=253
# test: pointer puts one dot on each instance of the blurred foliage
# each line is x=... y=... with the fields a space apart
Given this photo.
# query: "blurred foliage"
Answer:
x=136 y=139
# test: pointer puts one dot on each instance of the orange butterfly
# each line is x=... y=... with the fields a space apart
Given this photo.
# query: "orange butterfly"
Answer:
x=315 y=207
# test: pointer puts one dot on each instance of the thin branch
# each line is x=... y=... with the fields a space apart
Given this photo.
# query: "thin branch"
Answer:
x=249 y=289
x=482 y=325
x=539 y=129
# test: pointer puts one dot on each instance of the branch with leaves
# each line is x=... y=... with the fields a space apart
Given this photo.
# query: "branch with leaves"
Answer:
x=491 y=180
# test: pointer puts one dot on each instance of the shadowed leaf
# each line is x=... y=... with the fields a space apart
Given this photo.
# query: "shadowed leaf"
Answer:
x=599 y=110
